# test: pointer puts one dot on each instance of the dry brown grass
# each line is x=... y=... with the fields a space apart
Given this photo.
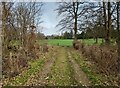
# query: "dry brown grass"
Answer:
x=17 y=59
x=105 y=57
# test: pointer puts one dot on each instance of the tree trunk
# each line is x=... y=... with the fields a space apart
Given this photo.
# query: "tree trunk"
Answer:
x=105 y=20
x=109 y=23
x=96 y=40
x=75 y=29
x=118 y=40
x=75 y=6
x=4 y=32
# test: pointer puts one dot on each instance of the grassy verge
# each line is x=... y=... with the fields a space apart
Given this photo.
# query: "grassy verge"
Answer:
x=96 y=79
x=61 y=71
x=21 y=79
x=34 y=67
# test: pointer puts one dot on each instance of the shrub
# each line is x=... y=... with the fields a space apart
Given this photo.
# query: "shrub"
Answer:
x=104 y=57
x=76 y=45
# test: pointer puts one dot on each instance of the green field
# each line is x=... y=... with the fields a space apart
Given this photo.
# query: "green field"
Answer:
x=61 y=42
x=91 y=41
x=68 y=42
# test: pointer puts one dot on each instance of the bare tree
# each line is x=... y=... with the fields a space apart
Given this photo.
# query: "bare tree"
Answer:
x=6 y=8
x=27 y=14
x=105 y=11
x=17 y=22
x=71 y=12
x=108 y=9
x=105 y=18
x=109 y=24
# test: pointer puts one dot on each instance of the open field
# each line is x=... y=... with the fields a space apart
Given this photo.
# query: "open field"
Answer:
x=68 y=42
x=61 y=42
x=64 y=42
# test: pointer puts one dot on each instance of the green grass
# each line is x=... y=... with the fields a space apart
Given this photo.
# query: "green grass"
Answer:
x=95 y=78
x=22 y=79
x=61 y=42
x=68 y=42
x=15 y=42
x=91 y=41
x=61 y=74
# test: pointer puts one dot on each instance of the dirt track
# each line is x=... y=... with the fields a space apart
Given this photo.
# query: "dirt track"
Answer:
x=59 y=69
x=41 y=78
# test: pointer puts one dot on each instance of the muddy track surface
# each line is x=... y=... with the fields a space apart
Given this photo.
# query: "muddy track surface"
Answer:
x=79 y=75
x=41 y=77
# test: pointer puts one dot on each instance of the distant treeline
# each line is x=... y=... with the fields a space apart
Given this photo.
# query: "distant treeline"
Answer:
x=88 y=34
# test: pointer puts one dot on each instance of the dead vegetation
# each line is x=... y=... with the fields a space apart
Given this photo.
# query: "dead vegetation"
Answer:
x=104 y=57
x=18 y=56
x=76 y=45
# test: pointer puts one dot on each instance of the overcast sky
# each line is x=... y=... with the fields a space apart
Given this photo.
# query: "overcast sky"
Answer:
x=50 y=18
